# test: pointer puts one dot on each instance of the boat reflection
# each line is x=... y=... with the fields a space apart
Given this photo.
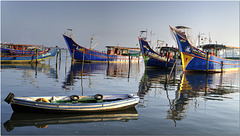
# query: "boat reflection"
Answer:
x=79 y=71
x=188 y=91
x=33 y=67
x=200 y=86
x=42 y=120
x=156 y=79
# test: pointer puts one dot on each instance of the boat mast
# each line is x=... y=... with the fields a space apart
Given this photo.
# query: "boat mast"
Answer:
x=91 y=41
x=199 y=37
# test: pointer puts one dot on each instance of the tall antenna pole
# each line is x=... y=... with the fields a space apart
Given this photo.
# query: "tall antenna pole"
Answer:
x=91 y=41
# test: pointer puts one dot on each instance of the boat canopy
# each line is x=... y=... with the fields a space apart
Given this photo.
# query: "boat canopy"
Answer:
x=172 y=49
x=214 y=46
x=182 y=27
x=218 y=47
x=25 y=45
x=122 y=50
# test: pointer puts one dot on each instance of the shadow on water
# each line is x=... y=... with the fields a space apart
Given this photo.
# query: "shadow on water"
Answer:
x=41 y=120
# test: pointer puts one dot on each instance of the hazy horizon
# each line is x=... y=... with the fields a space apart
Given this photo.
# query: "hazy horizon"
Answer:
x=44 y=22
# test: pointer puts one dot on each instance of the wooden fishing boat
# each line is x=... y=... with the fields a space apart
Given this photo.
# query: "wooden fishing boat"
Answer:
x=194 y=59
x=164 y=59
x=73 y=103
x=51 y=52
x=43 y=120
x=20 y=49
x=114 y=53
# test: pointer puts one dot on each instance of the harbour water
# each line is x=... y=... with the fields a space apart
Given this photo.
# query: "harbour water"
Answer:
x=188 y=104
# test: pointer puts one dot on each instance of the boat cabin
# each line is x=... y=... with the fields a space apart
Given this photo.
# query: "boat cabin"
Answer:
x=172 y=51
x=116 y=50
x=21 y=46
x=223 y=51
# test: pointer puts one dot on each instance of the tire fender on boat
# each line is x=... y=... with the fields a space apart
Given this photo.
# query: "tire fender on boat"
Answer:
x=43 y=100
x=98 y=96
x=74 y=97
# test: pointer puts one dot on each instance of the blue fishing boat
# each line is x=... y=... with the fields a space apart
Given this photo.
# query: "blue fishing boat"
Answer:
x=114 y=53
x=21 y=49
x=166 y=57
x=194 y=59
x=49 y=53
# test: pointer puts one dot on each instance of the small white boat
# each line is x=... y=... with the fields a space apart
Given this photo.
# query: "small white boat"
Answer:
x=73 y=103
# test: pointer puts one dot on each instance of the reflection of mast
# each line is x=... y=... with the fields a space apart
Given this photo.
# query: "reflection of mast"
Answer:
x=171 y=106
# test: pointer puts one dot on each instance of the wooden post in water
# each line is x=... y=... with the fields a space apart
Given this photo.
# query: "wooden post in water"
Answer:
x=167 y=60
x=207 y=60
x=206 y=85
x=108 y=56
x=221 y=66
x=172 y=69
x=57 y=65
x=82 y=71
x=73 y=55
x=129 y=57
x=36 y=52
x=66 y=64
x=138 y=57
x=36 y=70
x=60 y=57
x=57 y=58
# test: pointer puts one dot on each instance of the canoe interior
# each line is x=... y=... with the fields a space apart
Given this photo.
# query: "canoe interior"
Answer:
x=82 y=99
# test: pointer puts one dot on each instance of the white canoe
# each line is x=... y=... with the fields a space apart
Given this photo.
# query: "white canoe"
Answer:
x=74 y=103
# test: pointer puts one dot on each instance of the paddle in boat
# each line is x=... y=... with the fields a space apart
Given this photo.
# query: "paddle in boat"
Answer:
x=166 y=57
x=114 y=53
x=194 y=59
x=73 y=103
x=29 y=58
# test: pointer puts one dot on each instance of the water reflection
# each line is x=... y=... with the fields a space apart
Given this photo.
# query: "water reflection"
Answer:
x=80 y=71
x=42 y=120
x=156 y=79
x=186 y=92
x=28 y=69
x=203 y=86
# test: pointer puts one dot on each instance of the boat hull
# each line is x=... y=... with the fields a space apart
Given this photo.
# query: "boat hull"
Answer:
x=29 y=58
x=24 y=105
x=87 y=55
x=153 y=59
x=194 y=59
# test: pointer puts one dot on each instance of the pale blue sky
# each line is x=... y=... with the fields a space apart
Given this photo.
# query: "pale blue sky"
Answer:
x=115 y=22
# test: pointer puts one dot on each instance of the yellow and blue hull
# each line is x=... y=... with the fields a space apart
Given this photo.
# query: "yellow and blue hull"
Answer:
x=194 y=59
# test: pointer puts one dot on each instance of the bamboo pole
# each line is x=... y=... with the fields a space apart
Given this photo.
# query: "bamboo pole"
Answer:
x=57 y=65
x=73 y=55
x=221 y=66
x=207 y=60
x=167 y=59
x=172 y=69
x=36 y=55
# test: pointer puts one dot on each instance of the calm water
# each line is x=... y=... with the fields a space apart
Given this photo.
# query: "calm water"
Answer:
x=189 y=104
